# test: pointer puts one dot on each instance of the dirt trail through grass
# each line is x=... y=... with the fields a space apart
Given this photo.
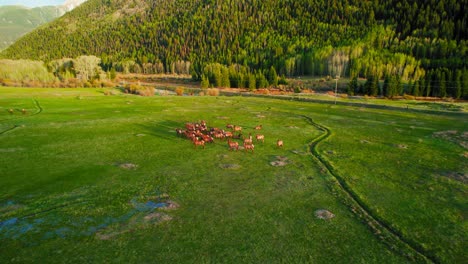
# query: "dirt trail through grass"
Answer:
x=39 y=110
x=394 y=239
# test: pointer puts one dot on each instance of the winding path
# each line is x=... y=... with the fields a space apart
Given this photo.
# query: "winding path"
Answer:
x=39 y=110
x=393 y=238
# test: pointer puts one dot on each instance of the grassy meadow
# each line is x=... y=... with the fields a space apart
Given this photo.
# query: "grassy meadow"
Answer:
x=86 y=177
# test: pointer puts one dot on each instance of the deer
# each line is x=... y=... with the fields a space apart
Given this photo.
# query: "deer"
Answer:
x=233 y=145
x=260 y=138
x=23 y=111
x=179 y=132
x=249 y=147
x=207 y=138
x=197 y=143
x=237 y=128
x=190 y=126
x=279 y=143
x=259 y=127
x=219 y=135
x=11 y=111
x=248 y=140
x=228 y=134
x=229 y=126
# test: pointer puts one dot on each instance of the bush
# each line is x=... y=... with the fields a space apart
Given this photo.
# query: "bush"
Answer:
x=179 y=91
x=213 y=92
x=139 y=90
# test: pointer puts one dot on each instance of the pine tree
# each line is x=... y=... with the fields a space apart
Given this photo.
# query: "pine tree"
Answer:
x=352 y=86
x=205 y=83
x=398 y=86
x=415 y=90
x=386 y=86
x=272 y=77
x=458 y=84
x=225 y=82
x=252 y=82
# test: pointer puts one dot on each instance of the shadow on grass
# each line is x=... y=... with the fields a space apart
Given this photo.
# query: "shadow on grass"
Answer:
x=165 y=129
x=439 y=106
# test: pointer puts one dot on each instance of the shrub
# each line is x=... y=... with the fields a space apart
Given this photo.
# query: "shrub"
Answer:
x=179 y=91
x=409 y=97
x=139 y=90
x=213 y=92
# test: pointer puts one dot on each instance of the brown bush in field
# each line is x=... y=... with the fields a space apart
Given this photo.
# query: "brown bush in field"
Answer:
x=146 y=91
x=213 y=92
x=139 y=90
x=409 y=97
x=179 y=91
x=10 y=83
x=107 y=84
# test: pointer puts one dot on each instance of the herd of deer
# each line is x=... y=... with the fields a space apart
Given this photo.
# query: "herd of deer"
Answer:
x=200 y=134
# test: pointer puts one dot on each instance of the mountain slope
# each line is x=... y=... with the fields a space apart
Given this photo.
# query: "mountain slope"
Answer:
x=290 y=35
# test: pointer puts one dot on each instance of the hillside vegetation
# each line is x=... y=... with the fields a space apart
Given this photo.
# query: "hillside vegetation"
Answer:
x=424 y=43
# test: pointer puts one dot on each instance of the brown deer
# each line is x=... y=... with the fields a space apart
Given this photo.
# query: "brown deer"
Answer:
x=237 y=128
x=248 y=140
x=260 y=138
x=230 y=126
x=279 y=143
x=179 y=132
x=249 y=147
x=233 y=145
x=219 y=135
x=197 y=143
x=259 y=127
x=207 y=138
x=190 y=126
x=228 y=134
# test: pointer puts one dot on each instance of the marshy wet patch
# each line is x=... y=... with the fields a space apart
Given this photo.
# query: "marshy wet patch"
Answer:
x=401 y=146
x=230 y=166
x=55 y=222
x=323 y=214
x=280 y=161
x=126 y=166
x=457 y=176
x=460 y=138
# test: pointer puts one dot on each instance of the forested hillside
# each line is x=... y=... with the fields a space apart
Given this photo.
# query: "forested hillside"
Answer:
x=423 y=43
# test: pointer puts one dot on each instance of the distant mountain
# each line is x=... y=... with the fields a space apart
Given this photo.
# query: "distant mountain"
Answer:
x=16 y=21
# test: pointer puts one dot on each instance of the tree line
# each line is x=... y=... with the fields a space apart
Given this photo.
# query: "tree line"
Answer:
x=411 y=39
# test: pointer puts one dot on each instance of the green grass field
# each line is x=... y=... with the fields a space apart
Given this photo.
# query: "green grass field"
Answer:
x=86 y=178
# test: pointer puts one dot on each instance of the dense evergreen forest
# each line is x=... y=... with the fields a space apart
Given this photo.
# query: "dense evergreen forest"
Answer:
x=420 y=43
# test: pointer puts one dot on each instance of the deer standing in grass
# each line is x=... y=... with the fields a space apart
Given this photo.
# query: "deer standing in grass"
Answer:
x=248 y=140
x=10 y=111
x=248 y=147
x=197 y=143
x=259 y=127
x=237 y=128
x=233 y=145
x=260 y=138
x=279 y=143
